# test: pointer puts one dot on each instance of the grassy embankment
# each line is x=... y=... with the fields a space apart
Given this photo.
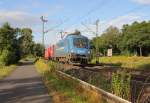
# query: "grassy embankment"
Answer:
x=6 y=70
x=126 y=62
x=63 y=91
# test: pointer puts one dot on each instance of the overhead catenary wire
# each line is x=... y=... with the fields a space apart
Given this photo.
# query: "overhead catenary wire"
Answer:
x=89 y=29
x=78 y=20
x=100 y=5
x=97 y=7
x=52 y=28
x=127 y=12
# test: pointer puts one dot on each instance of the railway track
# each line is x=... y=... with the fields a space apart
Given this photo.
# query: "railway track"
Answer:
x=139 y=78
x=137 y=75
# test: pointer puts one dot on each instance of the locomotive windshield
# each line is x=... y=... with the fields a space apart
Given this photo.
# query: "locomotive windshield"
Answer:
x=80 y=43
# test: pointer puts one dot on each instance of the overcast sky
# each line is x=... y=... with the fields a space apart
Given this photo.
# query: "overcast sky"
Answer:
x=69 y=15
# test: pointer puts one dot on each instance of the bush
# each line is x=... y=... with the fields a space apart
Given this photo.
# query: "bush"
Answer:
x=6 y=70
x=8 y=57
x=127 y=53
x=121 y=85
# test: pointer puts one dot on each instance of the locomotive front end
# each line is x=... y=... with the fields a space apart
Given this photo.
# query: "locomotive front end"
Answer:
x=80 y=51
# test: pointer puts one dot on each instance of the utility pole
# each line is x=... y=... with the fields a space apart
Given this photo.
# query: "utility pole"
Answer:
x=61 y=33
x=96 y=40
x=43 y=28
x=97 y=54
x=43 y=32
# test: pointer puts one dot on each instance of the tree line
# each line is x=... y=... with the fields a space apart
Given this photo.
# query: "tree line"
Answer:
x=17 y=43
x=133 y=39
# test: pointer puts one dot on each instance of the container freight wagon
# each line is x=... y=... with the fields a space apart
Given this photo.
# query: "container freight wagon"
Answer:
x=73 y=48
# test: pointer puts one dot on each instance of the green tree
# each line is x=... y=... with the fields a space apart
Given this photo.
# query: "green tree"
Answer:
x=38 y=50
x=109 y=39
x=8 y=45
x=131 y=39
x=136 y=38
x=25 y=41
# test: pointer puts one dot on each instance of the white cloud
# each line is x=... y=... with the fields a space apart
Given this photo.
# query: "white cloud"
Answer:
x=121 y=20
x=146 y=2
x=19 y=18
x=25 y=19
x=103 y=25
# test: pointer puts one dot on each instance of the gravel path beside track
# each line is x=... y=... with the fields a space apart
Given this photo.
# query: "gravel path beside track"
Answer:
x=24 y=85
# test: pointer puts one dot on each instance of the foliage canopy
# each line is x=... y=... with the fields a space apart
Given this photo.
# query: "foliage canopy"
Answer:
x=132 y=39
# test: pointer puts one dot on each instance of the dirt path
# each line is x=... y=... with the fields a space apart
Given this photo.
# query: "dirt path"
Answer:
x=24 y=85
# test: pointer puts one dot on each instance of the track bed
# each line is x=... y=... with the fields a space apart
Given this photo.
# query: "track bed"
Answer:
x=101 y=76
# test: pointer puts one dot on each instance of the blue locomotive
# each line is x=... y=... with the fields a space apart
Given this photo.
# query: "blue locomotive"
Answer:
x=74 y=48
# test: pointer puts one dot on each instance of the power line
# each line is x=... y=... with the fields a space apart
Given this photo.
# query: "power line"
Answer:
x=99 y=6
x=136 y=8
x=82 y=17
x=56 y=26
x=89 y=29
x=102 y=3
x=130 y=11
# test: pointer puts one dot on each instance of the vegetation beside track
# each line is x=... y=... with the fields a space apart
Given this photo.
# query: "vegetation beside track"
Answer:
x=70 y=92
x=116 y=83
x=126 y=62
x=120 y=85
x=94 y=78
x=62 y=90
x=6 y=70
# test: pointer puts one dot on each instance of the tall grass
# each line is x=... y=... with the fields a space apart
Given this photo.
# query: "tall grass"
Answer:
x=6 y=70
x=41 y=66
x=68 y=88
x=126 y=62
x=121 y=85
x=62 y=91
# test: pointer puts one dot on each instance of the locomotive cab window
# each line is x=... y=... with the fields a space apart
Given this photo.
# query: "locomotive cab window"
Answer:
x=80 y=43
